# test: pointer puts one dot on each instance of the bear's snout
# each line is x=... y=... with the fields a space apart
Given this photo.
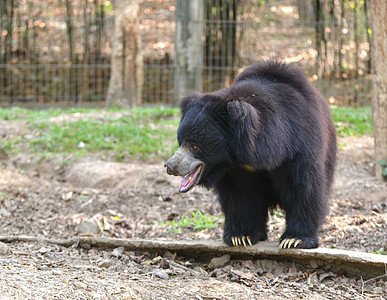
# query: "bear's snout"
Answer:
x=182 y=162
x=171 y=168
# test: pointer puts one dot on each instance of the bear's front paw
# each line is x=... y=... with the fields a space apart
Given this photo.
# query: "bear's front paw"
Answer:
x=239 y=241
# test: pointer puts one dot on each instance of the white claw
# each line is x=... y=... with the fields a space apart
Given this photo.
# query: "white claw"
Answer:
x=244 y=241
x=249 y=240
x=292 y=241
x=289 y=243
x=232 y=241
x=239 y=241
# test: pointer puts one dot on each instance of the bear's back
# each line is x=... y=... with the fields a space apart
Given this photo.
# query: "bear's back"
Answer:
x=276 y=72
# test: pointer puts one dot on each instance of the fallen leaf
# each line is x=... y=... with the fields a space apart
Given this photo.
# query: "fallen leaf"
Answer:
x=118 y=252
x=148 y=262
x=161 y=274
x=220 y=261
x=326 y=275
x=312 y=279
x=67 y=196
x=105 y=263
x=102 y=222
x=164 y=264
x=157 y=259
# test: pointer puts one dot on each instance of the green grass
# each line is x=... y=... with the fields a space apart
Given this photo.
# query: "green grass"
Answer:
x=139 y=133
x=124 y=137
x=3 y=194
x=350 y=121
x=197 y=221
x=22 y=114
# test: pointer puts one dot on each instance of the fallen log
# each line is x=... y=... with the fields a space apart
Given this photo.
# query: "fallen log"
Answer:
x=354 y=263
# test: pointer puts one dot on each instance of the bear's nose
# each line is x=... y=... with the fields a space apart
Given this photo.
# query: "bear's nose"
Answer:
x=171 y=169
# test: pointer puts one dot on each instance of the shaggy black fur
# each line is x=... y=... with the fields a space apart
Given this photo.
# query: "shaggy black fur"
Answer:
x=268 y=140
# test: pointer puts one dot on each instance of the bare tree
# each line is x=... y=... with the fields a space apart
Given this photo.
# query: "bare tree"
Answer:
x=379 y=85
x=70 y=34
x=188 y=48
x=125 y=87
x=305 y=11
x=8 y=10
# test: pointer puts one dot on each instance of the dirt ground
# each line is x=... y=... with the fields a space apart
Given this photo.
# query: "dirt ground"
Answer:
x=65 y=197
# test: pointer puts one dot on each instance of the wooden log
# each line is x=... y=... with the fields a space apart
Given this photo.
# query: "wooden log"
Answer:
x=354 y=263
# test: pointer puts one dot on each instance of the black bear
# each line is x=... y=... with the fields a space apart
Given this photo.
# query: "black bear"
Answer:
x=267 y=140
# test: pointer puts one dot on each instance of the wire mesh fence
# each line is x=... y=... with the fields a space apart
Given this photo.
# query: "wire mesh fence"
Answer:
x=54 y=52
x=59 y=50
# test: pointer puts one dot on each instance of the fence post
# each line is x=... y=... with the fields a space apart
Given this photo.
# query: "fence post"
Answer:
x=188 y=47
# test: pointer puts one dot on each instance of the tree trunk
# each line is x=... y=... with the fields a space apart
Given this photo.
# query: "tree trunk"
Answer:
x=125 y=87
x=188 y=48
x=319 y=32
x=9 y=12
x=305 y=11
x=379 y=82
x=367 y=24
x=72 y=61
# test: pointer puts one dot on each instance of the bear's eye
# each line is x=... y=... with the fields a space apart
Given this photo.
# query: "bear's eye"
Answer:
x=194 y=147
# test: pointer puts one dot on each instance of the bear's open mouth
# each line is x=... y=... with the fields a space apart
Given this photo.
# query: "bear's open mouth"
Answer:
x=190 y=180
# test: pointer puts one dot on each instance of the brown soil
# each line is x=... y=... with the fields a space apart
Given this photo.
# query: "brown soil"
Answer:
x=54 y=198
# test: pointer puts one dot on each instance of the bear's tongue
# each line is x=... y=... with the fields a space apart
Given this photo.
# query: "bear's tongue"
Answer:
x=189 y=180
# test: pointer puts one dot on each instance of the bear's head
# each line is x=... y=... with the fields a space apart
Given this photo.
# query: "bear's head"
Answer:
x=208 y=136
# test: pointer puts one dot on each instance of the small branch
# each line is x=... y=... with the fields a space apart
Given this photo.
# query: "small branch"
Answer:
x=176 y=265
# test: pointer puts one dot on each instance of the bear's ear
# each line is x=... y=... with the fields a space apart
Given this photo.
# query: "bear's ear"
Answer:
x=244 y=120
x=187 y=101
